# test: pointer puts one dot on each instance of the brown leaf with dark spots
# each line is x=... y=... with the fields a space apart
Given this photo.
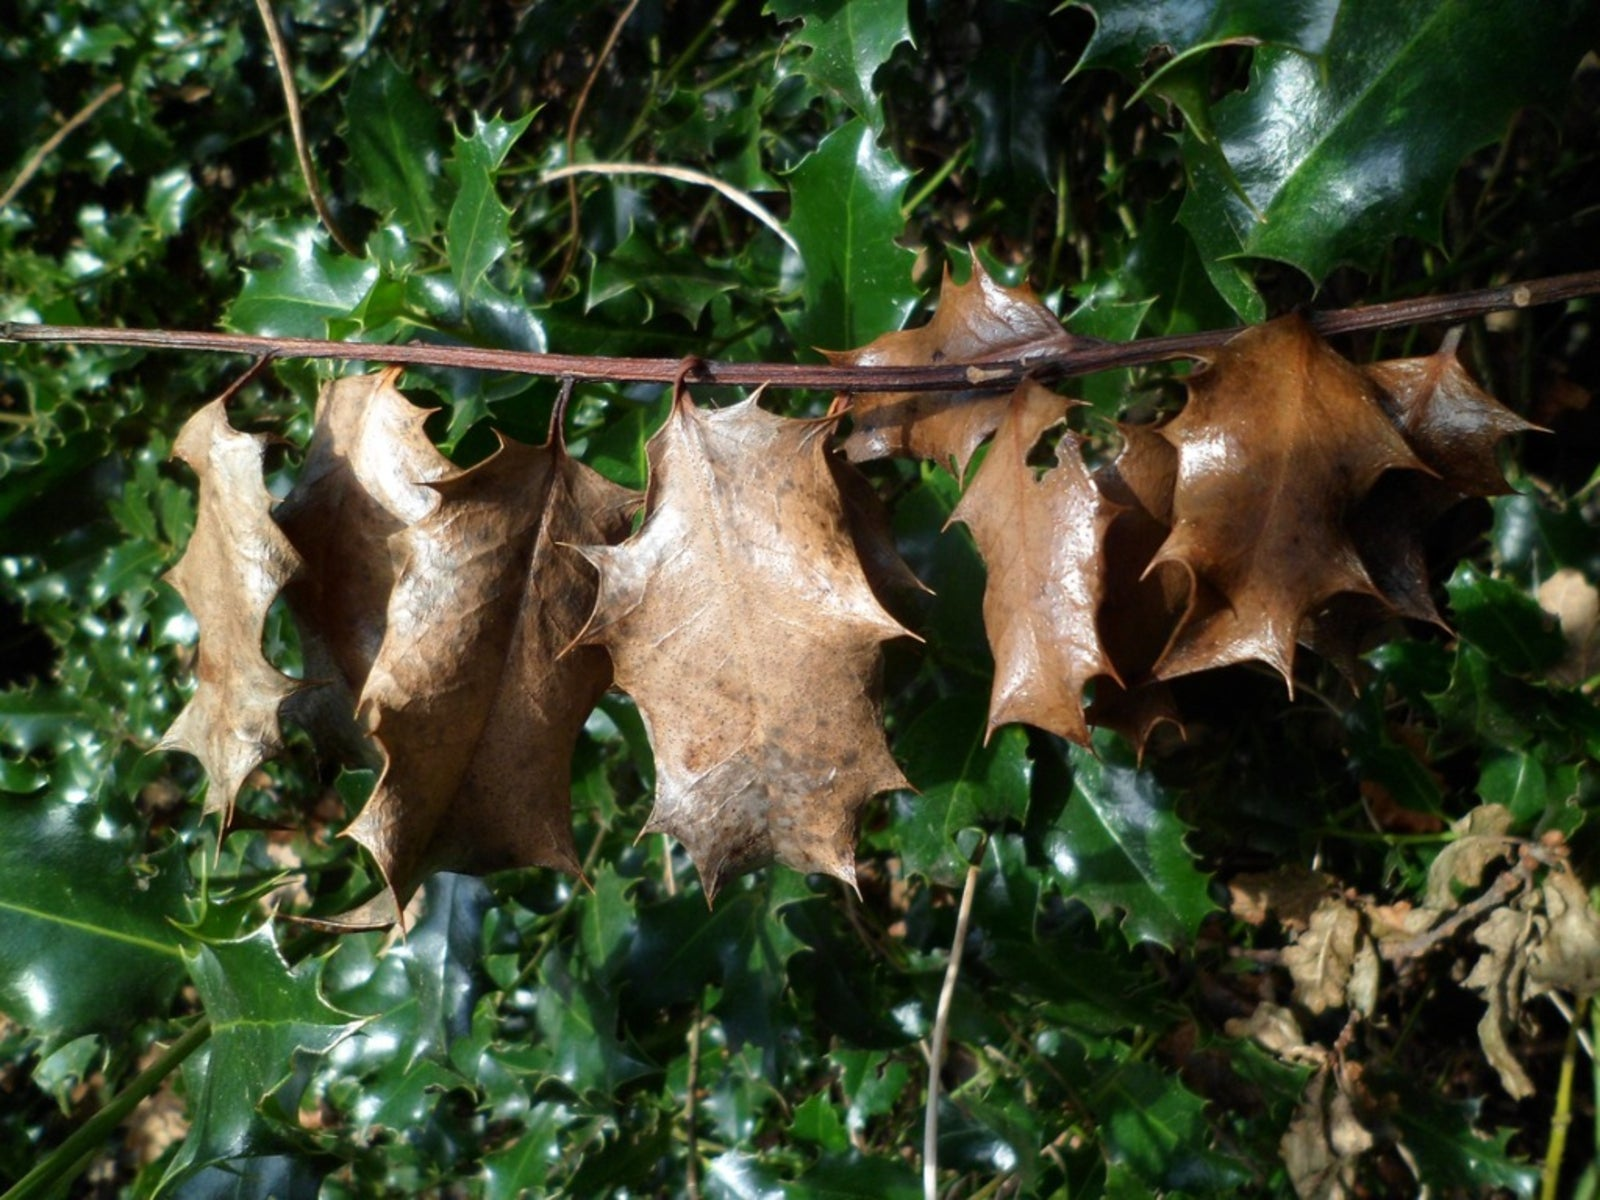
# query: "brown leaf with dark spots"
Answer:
x=1279 y=438
x=365 y=478
x=236 y=562
x=475 y=705
x=1041 y=540
x=979 y=321
x=740 y=620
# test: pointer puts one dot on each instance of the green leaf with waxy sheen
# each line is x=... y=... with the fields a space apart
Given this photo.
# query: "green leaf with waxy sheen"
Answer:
x=845 y=217
x=1442 y=1138
x=1129 y=33
x=396 y=148
x=1118 y=847
x=848 y=41
x=310 y=286
x=478 y=229
x=679 y=280
x=243 y=1090
x=79 y=905
x=1335 y=156
x=1503 y=621
x=963 y=786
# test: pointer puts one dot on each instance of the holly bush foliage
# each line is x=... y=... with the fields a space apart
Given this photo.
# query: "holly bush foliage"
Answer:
x=1151 y=168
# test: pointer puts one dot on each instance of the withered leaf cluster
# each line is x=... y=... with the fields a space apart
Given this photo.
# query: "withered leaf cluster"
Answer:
x=458 y=625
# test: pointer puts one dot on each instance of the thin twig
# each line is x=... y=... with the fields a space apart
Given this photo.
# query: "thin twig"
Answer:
x=1501 y=890
x=1066 y=356
x=683 y=175
x=36 y=159
x=941 y=1029
x=691 y=1107
x=297 y=130
x=574 y=232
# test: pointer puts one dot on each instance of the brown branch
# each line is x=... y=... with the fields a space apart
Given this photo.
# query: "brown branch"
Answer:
x=36 y=160
x=297 y=130
x=574 y=232
x=1085 y=356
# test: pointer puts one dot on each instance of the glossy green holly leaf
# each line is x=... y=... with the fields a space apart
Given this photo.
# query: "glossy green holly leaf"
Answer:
x=741 y=947
x=1503 y=621
x=856 y=1177
x=847 y=40
x=1131 y=34
x=1532 y=537
x=964 y=787
x=1151 y=1125
x=1118 y=848
x=680 y=281
x=1012 y=95
x=396 y=145
x=244 y=1087
x=522 y=1166
x=577 y=1018
x=1442 y=1138
x=845 y=217
x=1324 y=161
x=478 y=228
x=1540 y=794
x=416 y=998
x=308 y=286
x=80 y=903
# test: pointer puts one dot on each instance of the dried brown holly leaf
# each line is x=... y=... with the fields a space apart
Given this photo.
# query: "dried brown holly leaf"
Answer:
x=1501 y=975
x=1041 y=540
x=893 y=582
x=1451 y=422
x=236 y=563
x=1481 y=839
x=1140 y=607
x=1322 y=959
x=365 y=477
x=741 y=622
x=1325 y=1139
x=979 y=321
x=470 y=695
x=1568 y=956
x=1279 y=438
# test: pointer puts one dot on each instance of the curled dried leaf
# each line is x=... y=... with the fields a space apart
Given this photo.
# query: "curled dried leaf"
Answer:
x=236 y=563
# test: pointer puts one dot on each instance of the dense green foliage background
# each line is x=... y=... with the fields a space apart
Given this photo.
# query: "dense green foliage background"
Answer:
x=1150 y=172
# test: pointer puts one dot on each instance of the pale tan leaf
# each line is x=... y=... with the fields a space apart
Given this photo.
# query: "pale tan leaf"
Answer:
x=1042 y=542
x=1480 y=840
x=1322 y=959
x=1569 y=597
x=740 y=620
x=1292 y=893
x=236 y=562
x=1567 y=957
x=1501 y=975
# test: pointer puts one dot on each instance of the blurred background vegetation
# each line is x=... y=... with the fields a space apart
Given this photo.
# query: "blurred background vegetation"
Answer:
x=536 y=1037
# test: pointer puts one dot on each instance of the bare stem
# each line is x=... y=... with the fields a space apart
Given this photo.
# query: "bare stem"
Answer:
x=1065 y=357
x=297 y=129
x=36 y=160
x=574 y=232
x=941 y=1029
